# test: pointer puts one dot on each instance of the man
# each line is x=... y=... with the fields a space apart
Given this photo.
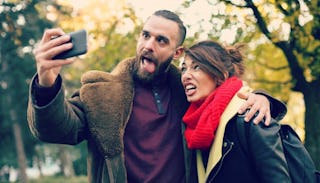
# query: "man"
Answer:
x=130 y=117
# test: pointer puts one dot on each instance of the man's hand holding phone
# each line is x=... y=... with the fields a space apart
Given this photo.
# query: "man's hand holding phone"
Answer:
x=54 y=48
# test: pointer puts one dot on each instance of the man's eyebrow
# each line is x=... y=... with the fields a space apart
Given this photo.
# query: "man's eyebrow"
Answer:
x=166 y=39
x=144 y=31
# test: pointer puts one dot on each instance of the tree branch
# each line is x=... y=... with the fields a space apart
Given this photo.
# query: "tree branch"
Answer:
x=233 y=4
x=280 y=7
x=295 y=69
x=260 y=21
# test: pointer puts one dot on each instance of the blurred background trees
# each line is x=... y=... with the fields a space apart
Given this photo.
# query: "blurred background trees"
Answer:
x=21 y=27
x=283 y=45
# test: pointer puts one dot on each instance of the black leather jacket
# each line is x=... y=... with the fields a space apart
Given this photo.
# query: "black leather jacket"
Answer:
x=257 y=157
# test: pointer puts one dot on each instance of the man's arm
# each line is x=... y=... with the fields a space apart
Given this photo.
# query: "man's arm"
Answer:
x=52 y=118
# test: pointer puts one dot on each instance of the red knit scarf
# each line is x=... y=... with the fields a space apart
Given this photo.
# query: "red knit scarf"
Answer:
x=202 y=121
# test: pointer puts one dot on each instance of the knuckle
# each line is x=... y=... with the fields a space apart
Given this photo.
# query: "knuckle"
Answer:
x=263 y=110
x=255 y=108
x=249 y=114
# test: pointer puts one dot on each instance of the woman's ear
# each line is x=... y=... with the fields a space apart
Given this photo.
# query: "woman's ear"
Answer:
x=220 y=81
x=178 y=53
x=226 y=75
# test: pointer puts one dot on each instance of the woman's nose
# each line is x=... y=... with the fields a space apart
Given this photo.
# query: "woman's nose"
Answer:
x=186 y=75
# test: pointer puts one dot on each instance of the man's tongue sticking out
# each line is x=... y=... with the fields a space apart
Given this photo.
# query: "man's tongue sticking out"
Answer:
x=148 y=65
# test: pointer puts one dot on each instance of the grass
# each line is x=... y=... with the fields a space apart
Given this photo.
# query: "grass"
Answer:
x=60 y=179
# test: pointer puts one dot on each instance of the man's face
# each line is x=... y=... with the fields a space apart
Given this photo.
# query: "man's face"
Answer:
x=157 y=46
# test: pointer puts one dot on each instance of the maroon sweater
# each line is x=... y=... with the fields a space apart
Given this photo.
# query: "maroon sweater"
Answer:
x=153 y=143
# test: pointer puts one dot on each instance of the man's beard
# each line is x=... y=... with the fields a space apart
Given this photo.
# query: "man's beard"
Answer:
x=146 y=77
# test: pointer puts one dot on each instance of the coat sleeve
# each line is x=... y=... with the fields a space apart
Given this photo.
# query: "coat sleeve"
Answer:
x=266 y=149
x=59 y=120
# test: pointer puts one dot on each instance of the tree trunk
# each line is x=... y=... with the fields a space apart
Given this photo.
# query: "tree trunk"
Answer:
x=66 y=165
x=312 y=124
x=39 y=165
x=23 y=178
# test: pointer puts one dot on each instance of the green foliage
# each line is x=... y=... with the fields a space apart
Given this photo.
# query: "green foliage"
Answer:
x=20 y=28
x=267 y=68
x=23 y=24
x=117 y=48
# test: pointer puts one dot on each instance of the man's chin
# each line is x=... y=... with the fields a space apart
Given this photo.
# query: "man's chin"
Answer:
x=144 y=76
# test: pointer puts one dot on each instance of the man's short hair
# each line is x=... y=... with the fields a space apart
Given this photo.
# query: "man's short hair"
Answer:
x=174 y=17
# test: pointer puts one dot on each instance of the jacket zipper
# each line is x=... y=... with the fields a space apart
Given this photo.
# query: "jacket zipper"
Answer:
x=220 y=164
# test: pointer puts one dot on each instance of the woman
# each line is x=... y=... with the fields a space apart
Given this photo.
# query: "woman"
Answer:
x=210 y=76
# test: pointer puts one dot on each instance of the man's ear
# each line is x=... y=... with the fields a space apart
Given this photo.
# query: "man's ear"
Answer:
x=178 y=53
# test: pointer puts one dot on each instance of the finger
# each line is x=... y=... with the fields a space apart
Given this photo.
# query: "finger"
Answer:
x=260 y=115
x=267 y=119
x=46 y=54
x=243 y=95
x=246 y=104
x=56 y=46
x=251 y=113
x=47 y=43
x=50 y=33
x=58 y=49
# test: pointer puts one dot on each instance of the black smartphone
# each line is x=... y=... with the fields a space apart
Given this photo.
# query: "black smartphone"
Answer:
x=79 y=41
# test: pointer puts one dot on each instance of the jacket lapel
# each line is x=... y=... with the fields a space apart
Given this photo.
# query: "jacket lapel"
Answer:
x=107 y=99
x=216 y=148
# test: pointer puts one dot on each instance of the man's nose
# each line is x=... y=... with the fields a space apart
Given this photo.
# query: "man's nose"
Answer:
x=149 y=44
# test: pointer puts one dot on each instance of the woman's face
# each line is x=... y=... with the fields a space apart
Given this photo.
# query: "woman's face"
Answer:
x=198 y=85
